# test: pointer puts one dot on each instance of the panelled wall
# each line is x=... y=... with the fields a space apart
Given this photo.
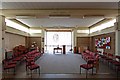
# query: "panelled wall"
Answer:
x=12 y=40
x=83 y=43
x=30 y=40
x=112 y=43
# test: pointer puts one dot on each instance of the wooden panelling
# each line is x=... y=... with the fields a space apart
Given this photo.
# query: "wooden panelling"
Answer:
x=112 y=43
x=83 y=43
x=30 y=40
x=12 y=40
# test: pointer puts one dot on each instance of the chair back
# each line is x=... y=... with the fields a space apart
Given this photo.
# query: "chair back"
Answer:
x=90 y=62
x=110 y=55
x=105 y=54
x=117 y=58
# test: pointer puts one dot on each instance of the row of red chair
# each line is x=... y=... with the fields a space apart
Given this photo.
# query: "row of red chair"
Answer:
x=87 y=55
x=30 y=60
x=15 y=60
x=112 y=59
x=17 y=56
x=19 y=50
x=92 y=60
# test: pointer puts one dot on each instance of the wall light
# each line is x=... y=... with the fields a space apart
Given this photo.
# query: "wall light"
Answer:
x=16 y=26
x=103 y=26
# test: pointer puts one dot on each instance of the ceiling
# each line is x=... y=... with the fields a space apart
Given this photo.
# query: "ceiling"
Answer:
x=61 y=22
x=81 y=14
x=54 y=5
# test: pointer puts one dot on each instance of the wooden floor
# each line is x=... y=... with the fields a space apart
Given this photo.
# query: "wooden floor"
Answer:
x=103 y=73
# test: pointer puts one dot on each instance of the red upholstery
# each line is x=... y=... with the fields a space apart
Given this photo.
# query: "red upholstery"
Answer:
x=89 y=65
x=86 y=66
x=33 y=66
x=109 y=57
x=17 y=59
x=13 y=62
x=9 y=65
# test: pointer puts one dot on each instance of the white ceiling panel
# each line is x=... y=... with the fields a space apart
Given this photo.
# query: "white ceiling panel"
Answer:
x=69 y=22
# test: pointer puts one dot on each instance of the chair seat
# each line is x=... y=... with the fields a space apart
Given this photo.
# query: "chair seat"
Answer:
x=118 y=69
x=31 y=63
x=85 y=66
x=17 y=59
x=12 y=62
x=117 y=64
x=30 y=60
x=9 y=66
x=32 y=67
x=108 y=59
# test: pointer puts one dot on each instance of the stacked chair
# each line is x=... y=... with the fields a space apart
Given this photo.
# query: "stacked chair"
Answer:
x=17 y=57
x=20 y=53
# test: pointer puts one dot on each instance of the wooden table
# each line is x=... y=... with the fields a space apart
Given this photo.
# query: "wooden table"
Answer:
x=57 y=49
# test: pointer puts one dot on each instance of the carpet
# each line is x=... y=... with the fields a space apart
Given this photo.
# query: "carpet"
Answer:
x=60 y=63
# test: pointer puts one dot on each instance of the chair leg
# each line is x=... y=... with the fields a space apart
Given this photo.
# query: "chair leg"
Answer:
x=31 y=72
x=92 y=71
x=14 y=70
x=39 y=70
x=26 y=68
x=80 y=70
x=86 y=73
x=117 y=74
x=27 y=71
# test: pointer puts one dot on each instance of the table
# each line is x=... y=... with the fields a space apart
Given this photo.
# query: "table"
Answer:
x=57 y=49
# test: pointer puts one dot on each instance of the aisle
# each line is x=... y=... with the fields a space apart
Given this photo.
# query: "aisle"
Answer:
x=60 y=64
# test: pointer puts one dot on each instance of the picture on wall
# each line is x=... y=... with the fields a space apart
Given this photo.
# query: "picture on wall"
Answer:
x=103 y=42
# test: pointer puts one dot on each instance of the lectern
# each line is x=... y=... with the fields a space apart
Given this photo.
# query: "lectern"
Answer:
x=64 y=49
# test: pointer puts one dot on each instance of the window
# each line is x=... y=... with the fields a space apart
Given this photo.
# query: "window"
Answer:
x=55 y=39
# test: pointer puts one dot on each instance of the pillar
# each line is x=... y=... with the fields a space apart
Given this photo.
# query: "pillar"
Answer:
x=74 y=39
x=117 y=36
x=2 y=42
x=42 y=41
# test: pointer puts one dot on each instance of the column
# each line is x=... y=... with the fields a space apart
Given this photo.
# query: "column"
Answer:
x=74 y=40
x=117 y=36
x=42 y=41
x=2 y=42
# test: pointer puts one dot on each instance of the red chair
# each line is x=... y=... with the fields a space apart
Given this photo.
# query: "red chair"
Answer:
x=89 y=65
x=28 y=63
x=32 y=66
x=9 y=65
x=104 y=56
x=109 y=58
x=115 y=62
